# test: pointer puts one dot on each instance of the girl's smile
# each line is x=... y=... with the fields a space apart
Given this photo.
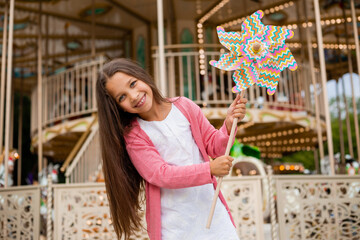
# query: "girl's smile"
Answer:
x=141 y=102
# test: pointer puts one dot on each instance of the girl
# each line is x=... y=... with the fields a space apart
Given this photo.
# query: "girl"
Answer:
x=165 y=145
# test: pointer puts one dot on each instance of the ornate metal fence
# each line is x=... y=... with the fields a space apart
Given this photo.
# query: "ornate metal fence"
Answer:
x=81 y=211
x=243 y=196
x=20 y=213
x=318 y=207
x=308 y=207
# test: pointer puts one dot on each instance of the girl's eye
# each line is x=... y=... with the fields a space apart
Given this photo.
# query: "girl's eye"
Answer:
x=122 y=97
x=132 y=84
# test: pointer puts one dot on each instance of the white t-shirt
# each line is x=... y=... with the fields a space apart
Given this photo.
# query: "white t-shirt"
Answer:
x=184 y=211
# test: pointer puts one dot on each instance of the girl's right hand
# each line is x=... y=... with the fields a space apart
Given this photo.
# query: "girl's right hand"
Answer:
x=221 y=166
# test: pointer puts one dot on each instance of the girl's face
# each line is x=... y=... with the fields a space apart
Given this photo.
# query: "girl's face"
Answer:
x=132 y=95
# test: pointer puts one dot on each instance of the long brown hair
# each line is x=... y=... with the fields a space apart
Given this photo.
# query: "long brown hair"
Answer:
x=123 y=182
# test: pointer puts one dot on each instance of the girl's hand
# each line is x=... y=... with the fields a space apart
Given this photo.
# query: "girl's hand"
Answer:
x=221 y=166
x=236 y=110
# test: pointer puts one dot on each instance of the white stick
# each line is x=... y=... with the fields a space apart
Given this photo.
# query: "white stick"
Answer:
x=227 y=151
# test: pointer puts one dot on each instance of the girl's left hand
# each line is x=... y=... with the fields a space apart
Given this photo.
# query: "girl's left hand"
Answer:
x=236 y=110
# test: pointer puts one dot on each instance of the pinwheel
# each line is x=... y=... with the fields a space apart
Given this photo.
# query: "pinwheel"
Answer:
x=257 y=56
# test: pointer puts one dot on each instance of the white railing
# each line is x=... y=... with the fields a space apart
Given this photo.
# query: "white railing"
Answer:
x=318 y=207
x=68 y=94
x=308 y=207
x=20 y=212
x=86 y=165
x=214 y=88
x=81 y=211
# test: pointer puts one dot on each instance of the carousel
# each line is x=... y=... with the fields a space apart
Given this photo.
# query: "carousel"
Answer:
x=52 y=50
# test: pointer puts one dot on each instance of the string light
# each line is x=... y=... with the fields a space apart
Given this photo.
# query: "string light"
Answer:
x=213 y=11
x=266 y=11
x=328 y=21
x=201 y=35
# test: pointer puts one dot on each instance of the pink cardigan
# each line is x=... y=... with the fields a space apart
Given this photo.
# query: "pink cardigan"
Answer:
x=158 y=174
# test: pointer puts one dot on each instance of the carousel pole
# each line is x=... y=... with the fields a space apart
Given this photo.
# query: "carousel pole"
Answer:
x=39 y=96
x=356 y=36
x=160 y=20
x=324 y=90
x=3 y=66
x=8 y=88
x=313 y=80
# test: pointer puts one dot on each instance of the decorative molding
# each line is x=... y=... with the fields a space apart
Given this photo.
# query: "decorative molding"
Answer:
x=78 y=125
x=265 y=113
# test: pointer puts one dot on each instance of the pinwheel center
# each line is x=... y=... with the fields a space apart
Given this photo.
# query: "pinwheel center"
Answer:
x=256 y=47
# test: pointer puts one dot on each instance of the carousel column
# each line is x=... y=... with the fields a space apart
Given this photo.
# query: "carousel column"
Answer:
x=323 y=81
x=3 y=66
x=39 y=95
x=356 y=36
x=313 y=81
x=160 y=20
x=8 y=87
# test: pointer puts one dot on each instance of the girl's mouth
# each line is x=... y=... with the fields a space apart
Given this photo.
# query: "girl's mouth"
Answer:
x=141 y=102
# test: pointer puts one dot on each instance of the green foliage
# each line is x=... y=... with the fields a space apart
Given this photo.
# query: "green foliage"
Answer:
x=239 y=149
x=335 y=127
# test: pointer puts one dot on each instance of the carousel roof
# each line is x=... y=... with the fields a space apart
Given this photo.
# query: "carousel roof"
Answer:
x=68 y=26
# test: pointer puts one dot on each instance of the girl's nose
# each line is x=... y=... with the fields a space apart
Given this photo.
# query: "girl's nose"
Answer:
x=134 y=96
